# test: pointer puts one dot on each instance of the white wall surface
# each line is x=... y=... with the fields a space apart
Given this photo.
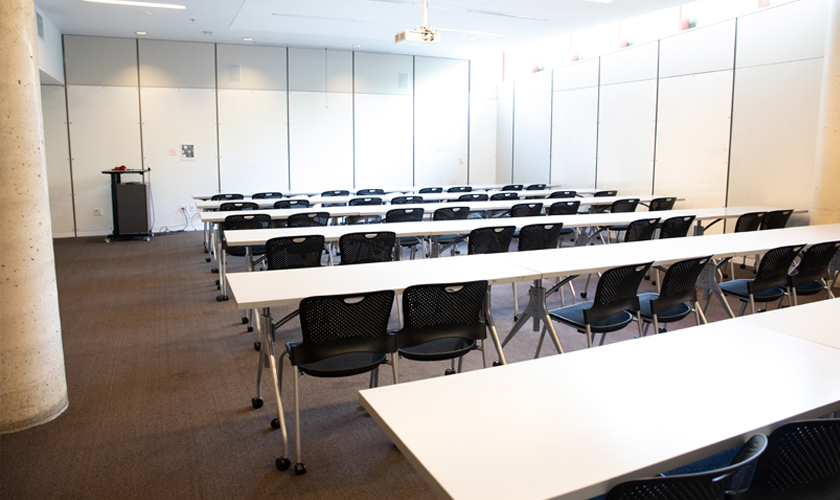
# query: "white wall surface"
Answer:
x=384 y=134
x=388 y=74
x=321 y=140
x=93 y=60
x=315 y=70
x=532 y=129
x=57 y=151
x=504 y=134
x=50 y=56
x=631 y=64
x=575 y=124
x=789 y=32
x=483 y=140
x=698 y=51
x=258 y=68
x=177 y=64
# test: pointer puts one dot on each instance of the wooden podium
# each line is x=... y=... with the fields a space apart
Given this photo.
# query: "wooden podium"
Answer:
x=131 y=205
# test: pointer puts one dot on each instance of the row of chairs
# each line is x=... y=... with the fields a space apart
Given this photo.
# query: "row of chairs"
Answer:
x=375 y=191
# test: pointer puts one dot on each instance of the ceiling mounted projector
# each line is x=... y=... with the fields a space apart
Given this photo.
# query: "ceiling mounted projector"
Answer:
x=424 y=33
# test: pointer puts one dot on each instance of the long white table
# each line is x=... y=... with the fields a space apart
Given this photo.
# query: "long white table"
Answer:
x=815 y=321
x=410 y=189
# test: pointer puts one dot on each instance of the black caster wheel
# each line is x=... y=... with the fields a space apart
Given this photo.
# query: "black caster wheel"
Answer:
x=257 y=346
x=244 y=320
x=583 y=295
x=725 y=276
x=256 y=403
x=300 y=469
x=215 y=270
x=206 y=251
x=250 y=328
x=647 y=278
x=207 y=259
x=275 y=424
x=516 y=317
x=662 y=329
x=221 y=298
x=743 y=266
x=653 y=283
x=283 y=463
x=218 y=283
x=449 y=371
x=497 y=363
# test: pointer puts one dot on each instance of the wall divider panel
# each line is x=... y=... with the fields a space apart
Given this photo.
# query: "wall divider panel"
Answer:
x=574 y=129
x=532 y=129
x=57 y=152
x=504 y=133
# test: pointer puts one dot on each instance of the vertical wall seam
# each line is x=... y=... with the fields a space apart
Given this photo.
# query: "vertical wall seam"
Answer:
x=288 y=123
x=598 y=124
x=656 y=116
x=512 y=130
x=413 y=120
x=352 y=107
x=218 y=135
x=469 y=111
x=551 y=128
x=70 y=144
x=731 y=115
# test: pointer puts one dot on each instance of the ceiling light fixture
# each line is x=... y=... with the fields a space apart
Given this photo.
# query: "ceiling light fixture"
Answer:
x=139 y=4
x=247 y=39
x=141 y=32
x=356 y=46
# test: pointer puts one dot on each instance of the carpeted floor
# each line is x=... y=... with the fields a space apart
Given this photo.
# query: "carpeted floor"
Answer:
x=160 y=379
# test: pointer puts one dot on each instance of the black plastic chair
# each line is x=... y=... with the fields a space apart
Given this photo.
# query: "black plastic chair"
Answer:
x=506 y=195
x=473 y=197
x=676 y=227
x=768 y=284
x=443 y=321
x=369 y=200
x=563 y=194
x=291 y=204
x=407 y=215
x=538 y=237
x=309 y=219
x=294 y=252
x=336 y=192
x=459 y=189
x=605 y=193
x=659 y=204
x=802 y=462
x=364 y=201
x=267 y=194
x=341 y=336
x=638 y=230
x=706 y=485
x=513 y=187
x=362 y=248
x=236 y=222
x=526 y=210
x=810 y=276
x=619 y=206
x=750 y=221
x=676 y=298
x=226 y=197
x=535 y=187
x=450 y=240
x=430 y=190
x=776 y=219
x=490 y=240
x=233 y=206
x=564 y=208
x=612 y=309
x=369 y=192
x=406 y=200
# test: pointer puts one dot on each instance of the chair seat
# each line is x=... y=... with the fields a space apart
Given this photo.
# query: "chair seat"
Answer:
x=240 y=251
x=573 y=316
x=344 y=365
x=409 y=241
x=811 y=288
x=675 y=313
x=738 y=288
x=449 y=238
x=439 y=349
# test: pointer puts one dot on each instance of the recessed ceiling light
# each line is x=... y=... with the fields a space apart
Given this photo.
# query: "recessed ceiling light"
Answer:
x=356 y=46
x=207 y=33
x=139 y=4
x=471 y=38
x=247 y=39
x=141 y=32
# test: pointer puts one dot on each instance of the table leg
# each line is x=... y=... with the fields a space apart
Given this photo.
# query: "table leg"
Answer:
x=707 y=277
x=268 y=344
x=537 y=310
x=494 y=333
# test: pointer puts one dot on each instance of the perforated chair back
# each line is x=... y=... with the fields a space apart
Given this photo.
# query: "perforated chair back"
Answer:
x=294 y=252
x=451 y=213
x=430 y=190
x=438 y=311
x=535 y=187
x=507 y=195
x=404 y=215
x=365 y=201
x=309 y=219
x=606 y=193
x=750 y=221
x=336 y=192
x=776 y=219
x=814 y=264
x=267 y=194
x=291 y=204
x=659 y=204
x=802 y=462
x=539 y=236
x=490 y=240
x=623 y=206
x=341 y=324
x=676 y=227
x=564 y=208
x=706 y=485
x=773 y=268
x=226 y=196
x=255 y=221
x=473 y=197
x=563 y=194
x=368 y=192
x=678 y=285
x=513 y=187
x=459 y=189
x=238 y=205
x=641 y=230
x=361 y=248
x=617 y=291
x=405 y=200
x=526 y=210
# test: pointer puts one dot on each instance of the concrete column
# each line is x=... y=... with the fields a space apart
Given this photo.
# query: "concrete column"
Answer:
x=33 y=388
x=825 y=203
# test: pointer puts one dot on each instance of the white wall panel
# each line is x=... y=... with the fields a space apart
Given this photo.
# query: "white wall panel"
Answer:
x=532 y=129
x=441 y=101
x=104 y=133
x=258 y=68
x=177 y=64
x=482 y=140
x=631 y=64
x=314 y=70
x=785 y=33
x=504 y=134
x=92 y=60
x=171 y=118
x=578 y=75
x=384 y=74
x=252 y=141
x=50 y=53
x=692 y=147
x=57 y=152
x=384 y=133
x=574 y=137
x=321 y=140
x=774 y=134
x=698 y=50
x=625 y=137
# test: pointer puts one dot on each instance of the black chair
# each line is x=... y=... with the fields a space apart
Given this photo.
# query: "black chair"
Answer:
x=810 y=276
x=506 y=195
x=443 y=321
x=612 y=309
x=362 y=248
x=291 y=204
x=564 y=208
x=750 y=221
x=267 y=194
x=802 y=462
x=513 y=187
x=450 y=241
x=233 y=206
x=294 y=252
x=619 y=206
x=369 y=200
x=676 y=227
x=776 y=219
x=706 y=485
x=538 y=237
x=364 y=201
x=430 y=190
x=490 y=240
x=676 y=298
x=406 y=200
x=368 y=192
x=526 y=210
x=235 y=222
x=473 y=197
x=563 y=194
x=768 y=284
x=407 y=215
x=659 y=204
x=606 y=193
x=535 y=187
x=638 y=230
x=309 y=219
x=336 y=192
x=341 y=336
x=459 y=189
x=226 y=197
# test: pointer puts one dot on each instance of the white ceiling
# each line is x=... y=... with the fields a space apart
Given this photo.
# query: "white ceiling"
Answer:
x=339 y=24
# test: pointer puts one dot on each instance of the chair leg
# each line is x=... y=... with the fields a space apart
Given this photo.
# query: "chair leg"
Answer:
x=297 y=419
x=515 y=302
x=743 y=308
x=484 y=353
x=639 y=322
x=540 y=343
x=374 y=378
x=793 y=294
x=752 y=303
x=460 y=364
x=588 y=336
x=698 y=313
x=655 y=324
x=395 y=367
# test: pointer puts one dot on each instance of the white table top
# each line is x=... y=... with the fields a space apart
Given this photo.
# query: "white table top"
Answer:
x=816 y=321
x=407 y=189
x=574 y=425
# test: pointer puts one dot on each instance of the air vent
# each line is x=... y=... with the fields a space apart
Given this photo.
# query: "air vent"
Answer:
x=39 y=21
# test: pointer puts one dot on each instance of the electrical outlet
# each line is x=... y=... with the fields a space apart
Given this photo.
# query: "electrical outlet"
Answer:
x=97 y=212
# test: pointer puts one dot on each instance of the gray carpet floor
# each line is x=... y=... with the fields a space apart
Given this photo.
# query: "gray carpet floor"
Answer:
x=160 y=379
